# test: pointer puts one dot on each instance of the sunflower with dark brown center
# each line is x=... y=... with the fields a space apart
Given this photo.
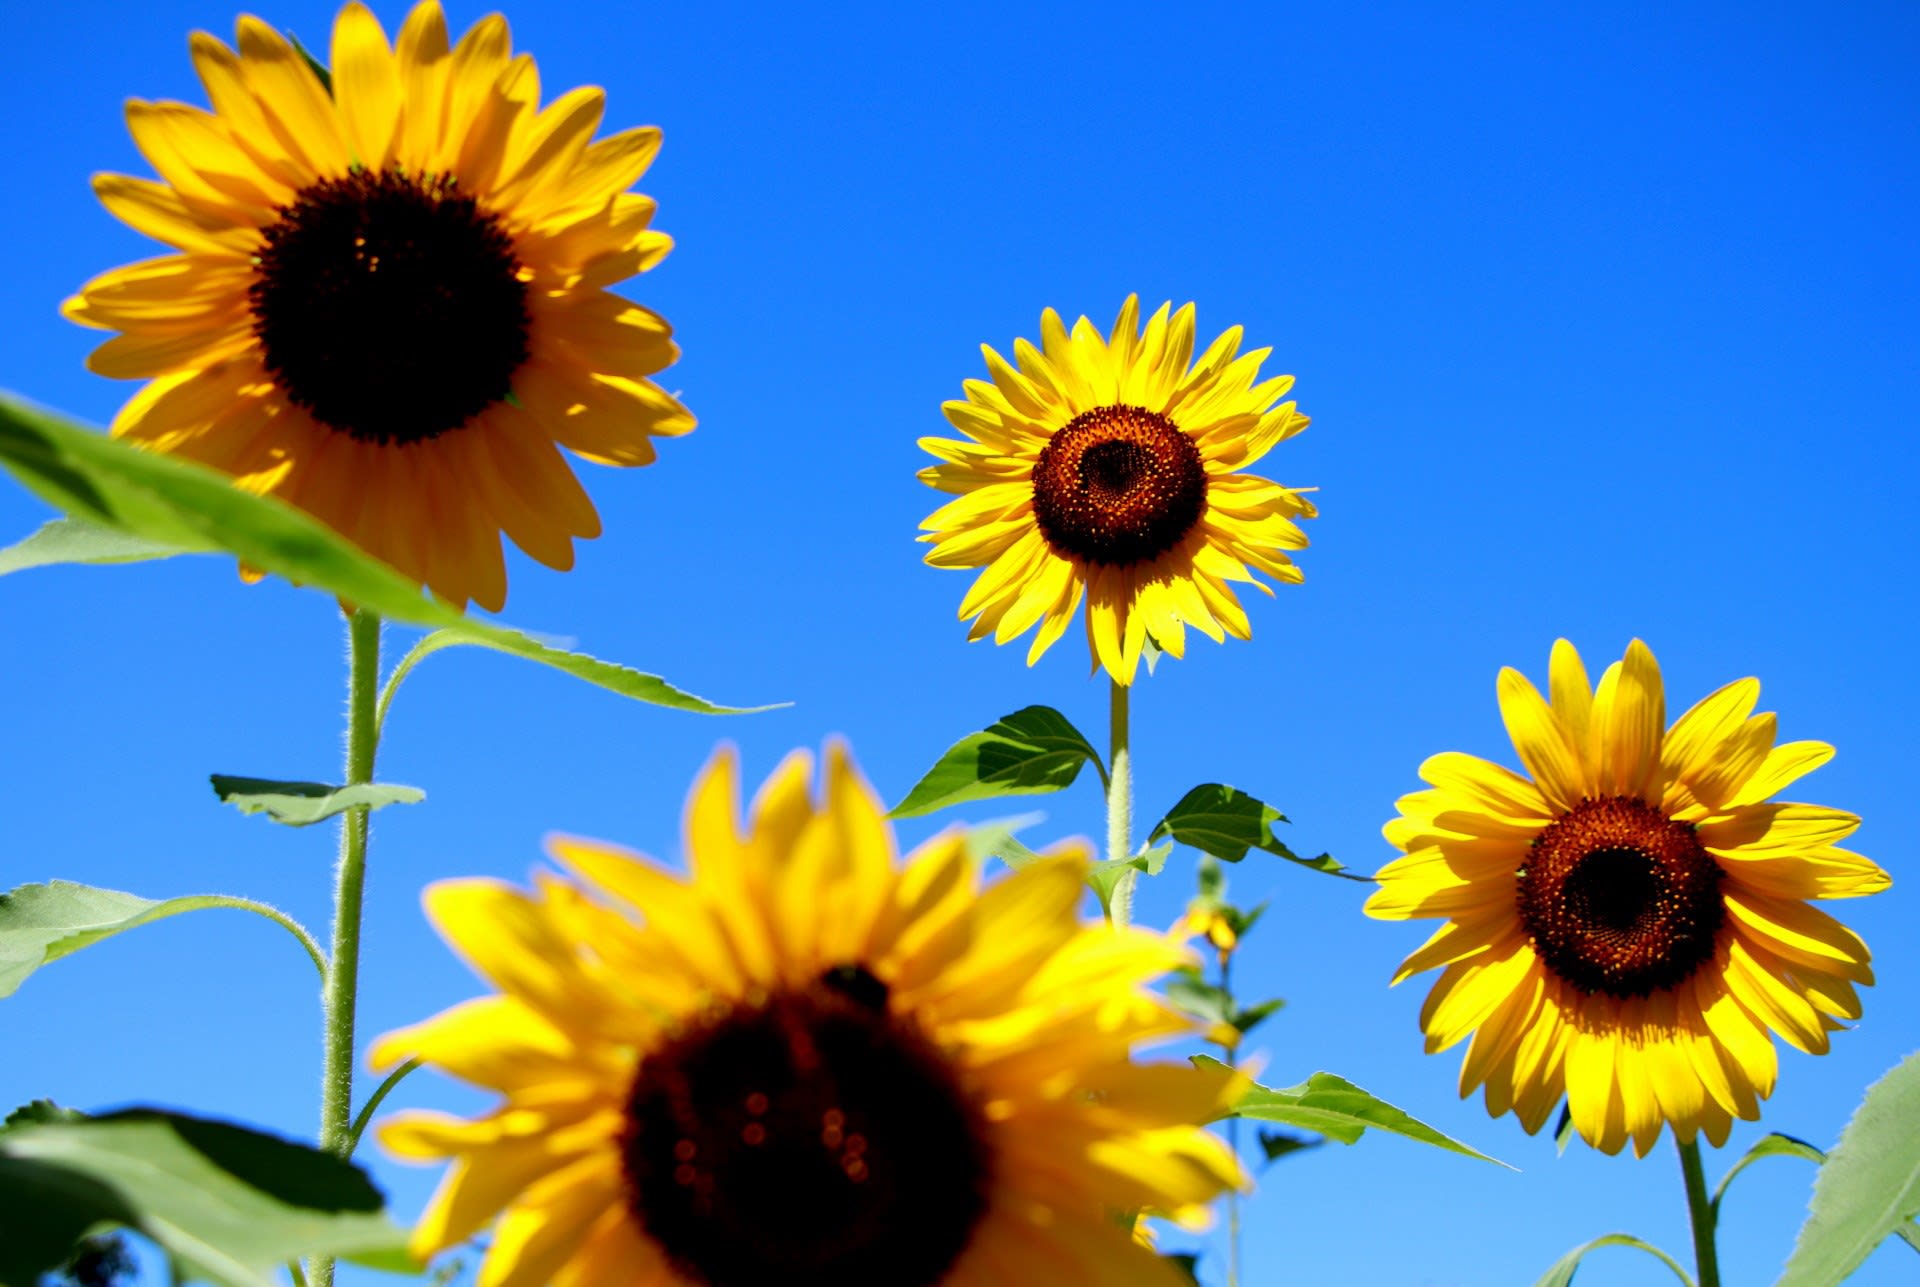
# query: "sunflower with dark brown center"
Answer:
x=390 y=305
x=1109 y=467
x=808 y=1064
x=1628 y=925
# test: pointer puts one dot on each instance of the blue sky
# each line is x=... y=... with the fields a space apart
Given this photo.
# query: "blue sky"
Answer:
x=1606 y=319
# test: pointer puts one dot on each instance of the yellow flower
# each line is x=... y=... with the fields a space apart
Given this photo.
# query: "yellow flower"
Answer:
x=1110 y=467
x=1628 y=924
x=806 y=1064
x=390 y=299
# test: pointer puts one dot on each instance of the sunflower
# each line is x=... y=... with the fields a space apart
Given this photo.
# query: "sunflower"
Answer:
x=1628 y=925
x=1110 y=467
x=806 y=1064
x=389 y=302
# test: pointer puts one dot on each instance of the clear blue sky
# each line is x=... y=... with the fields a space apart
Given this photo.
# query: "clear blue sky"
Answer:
x=1606 y=319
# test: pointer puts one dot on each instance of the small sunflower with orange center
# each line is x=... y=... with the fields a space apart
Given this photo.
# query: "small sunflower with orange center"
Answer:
x=1629 y=925
x=807 y=1064
x=1107 y=466
x=390 y=299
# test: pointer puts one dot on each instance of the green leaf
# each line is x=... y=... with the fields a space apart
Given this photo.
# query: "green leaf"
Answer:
x=623 y=680
x=228 y=1204
x=1033 y=750
x=1184 y=1263
x=996 y=840
x=42 y=923
x=40 y=1111
x=162 y=500
x=1275 y=1145
x=1194 y=996
x=1563 y=1130
x=1106 y=874
x=1335 y=1107
x=1868 y=1187
x=301 y=804
x=1562 y=1271
x=74 y=540
x=1774 y=1145
x=1226 y=823
x=1251 y=1017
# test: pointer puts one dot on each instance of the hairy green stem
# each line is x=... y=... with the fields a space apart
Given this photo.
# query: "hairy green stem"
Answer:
x=1120 y=804
x=1233 y=1137
x=343 y=975
x=1705 y=1259
x=281 y=919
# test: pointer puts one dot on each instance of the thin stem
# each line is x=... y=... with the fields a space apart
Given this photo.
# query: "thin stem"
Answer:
x=1233 y=1139
x=1706 y=1260
x=1120 y=804
x=281 y=919
x=343 y=978
x=365 y=1115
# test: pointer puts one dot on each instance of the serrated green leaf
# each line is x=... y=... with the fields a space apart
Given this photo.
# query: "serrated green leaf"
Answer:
x=1774 y=1145
x=1331 y=1105
x=1227 y=822
x=1034 y=750
x=227 y=1203
x=301 y=804
x=1560 y=1274
x=623 y=680
x=1868 y=1187
x=42 y=923
x=73 y=540
x=163 y=500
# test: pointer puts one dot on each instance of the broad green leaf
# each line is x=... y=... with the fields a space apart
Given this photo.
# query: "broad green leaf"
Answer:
x=74 y=540
x=1868 y=1187
x=1226 y=823
x=301 y=804
x=42 y=923
x=1335 y=1107
x=1033 y=750
x=1562 y=1271
x=1194 y=996
x=1774 y=1145
x=162 y=500
x=229 y=1204
x=623 y=680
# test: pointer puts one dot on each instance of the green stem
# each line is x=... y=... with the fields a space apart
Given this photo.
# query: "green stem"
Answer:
x=1233 y=1140
x=343 y=978
x=385 y=1088
x=281 y=919
x=1120 y=804
x=1706 y=1260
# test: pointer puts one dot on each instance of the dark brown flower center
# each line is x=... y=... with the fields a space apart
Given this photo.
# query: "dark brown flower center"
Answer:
x=811 y=1140
x=1620 y=898
x=1119 y=486
x=390 y=306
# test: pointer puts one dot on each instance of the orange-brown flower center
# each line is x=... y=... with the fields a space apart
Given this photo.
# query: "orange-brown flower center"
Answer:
x=1620 y=898
x=814 y=1139
x=1118 y=486
x=390 y=306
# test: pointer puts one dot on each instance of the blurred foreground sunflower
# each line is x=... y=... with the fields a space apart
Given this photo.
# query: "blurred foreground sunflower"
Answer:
x=806 y=1065
x=389 y=302
x=1628 y=924
x=1106 y=465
